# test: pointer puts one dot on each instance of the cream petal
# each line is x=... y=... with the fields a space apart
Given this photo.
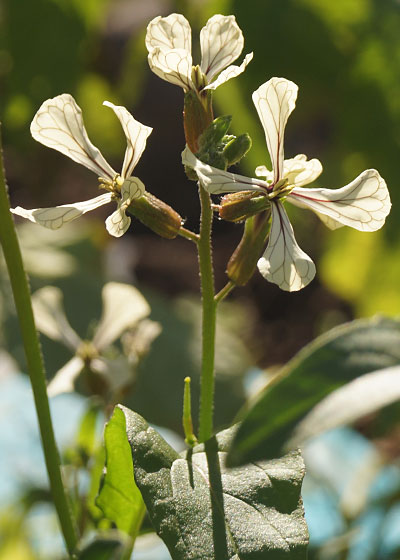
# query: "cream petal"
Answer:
x=167 y=33
x=221 y=42
x=50 y=318
x=283 y=262
x=64 y=379
x=123 y=307
x=299 y=171
x=136 y=135
x=230 y=72
x=58 y=124
x=118 y=223
x=174 y=66
x=216 y=181
x=54 y=218
x=262 y=171
x=363 y=204
x=274 y=101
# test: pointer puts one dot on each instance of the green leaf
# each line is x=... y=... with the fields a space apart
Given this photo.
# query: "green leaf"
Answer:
x=119 y=497
x=332 y=360
x=202 y=510
x=356 y=399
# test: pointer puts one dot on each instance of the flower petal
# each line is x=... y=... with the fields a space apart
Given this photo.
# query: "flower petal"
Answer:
x=283 y=262
x=301 y=172
x=64 y=379
x=118 y=223
x=217 y=181
x=274 y=101
x=167 y=33
x=123 y=307
x=262 y=171
x=174 y=66
x=221 y=42
x=136 y=135
x=58 y=124
x=230 y=72
x=54 y=218
x=50 y=317
x=363 y=204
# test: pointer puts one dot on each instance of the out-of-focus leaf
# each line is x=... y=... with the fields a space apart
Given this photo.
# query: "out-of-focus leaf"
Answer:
x=356 y=399
x=103 y=548
x=86 y=437
x=119 y=498
x=333 y=359
x=203 y=510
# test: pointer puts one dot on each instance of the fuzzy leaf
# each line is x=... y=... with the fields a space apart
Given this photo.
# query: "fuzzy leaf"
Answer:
x=203 y=510
x=119 y=498
x=326 y=364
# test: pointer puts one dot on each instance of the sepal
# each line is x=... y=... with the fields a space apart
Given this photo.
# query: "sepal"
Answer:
x=243 y=262
x=156 y=215
x=237 y=207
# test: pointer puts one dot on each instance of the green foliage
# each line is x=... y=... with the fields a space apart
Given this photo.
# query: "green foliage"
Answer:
x=331 y=360
x=203 y=510
x=119 y=497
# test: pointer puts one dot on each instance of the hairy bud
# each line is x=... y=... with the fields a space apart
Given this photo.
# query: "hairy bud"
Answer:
x=236 y=207
x=156 y=215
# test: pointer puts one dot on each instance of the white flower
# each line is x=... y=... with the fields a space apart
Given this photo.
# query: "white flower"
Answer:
x=58 y=124
x=124 y=307
x=363 y=204
x=168 y=41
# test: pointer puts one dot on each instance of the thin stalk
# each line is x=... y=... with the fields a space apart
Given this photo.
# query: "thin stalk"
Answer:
x=20 y=287
x=209 y=315
x=224 y=292
x=187 y=234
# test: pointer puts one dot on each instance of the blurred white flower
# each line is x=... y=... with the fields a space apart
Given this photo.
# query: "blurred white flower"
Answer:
x=363 y=204
x=58 y=124
x=124 y=308
x=169 y=43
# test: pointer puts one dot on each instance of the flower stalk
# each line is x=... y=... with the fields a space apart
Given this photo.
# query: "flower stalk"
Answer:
x=20 y=287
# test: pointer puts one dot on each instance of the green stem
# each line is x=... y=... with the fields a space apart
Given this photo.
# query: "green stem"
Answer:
x=209 y=313
x=224 y=292
x=20 y=287
x=187 y=234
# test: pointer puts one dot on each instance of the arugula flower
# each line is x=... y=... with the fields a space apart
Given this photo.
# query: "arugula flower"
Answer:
x=58 y=124
x=363 y=204
x=168 y=41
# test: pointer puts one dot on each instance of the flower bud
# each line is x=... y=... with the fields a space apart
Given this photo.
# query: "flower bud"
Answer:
x=156 y=215
x=236 y=149
x=236 y=207
x=215 y=132
x=243 y=262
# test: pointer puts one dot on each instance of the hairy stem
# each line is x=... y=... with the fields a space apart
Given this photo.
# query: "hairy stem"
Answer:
x=209 y=313
x=21 y=291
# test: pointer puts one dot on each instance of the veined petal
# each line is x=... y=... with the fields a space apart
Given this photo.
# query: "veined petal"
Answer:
x=262 y=171
x=167 y=33
x=58 y=124
x=363 y=204
x=221 y=42
x=64 y=379
x=123 y=307
x=136 y=135
x=230 y=72
x=118 y=223
x=299 y=171
x=174 y=66
x=54 y=218
x=274 y=101
x=283 y=262
x=50 y=318
x=217 y=181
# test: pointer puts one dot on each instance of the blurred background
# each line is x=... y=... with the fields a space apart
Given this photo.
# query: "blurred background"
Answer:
x=345 y=58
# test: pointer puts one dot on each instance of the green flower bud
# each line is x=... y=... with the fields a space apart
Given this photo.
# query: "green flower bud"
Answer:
x=156 y=215
x=197 y=116
x=236 y=207
x=243 y=262
x=214 y=133
x=237 y=148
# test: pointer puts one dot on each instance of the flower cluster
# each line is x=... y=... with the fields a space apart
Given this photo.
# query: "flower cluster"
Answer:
x=363 y=204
